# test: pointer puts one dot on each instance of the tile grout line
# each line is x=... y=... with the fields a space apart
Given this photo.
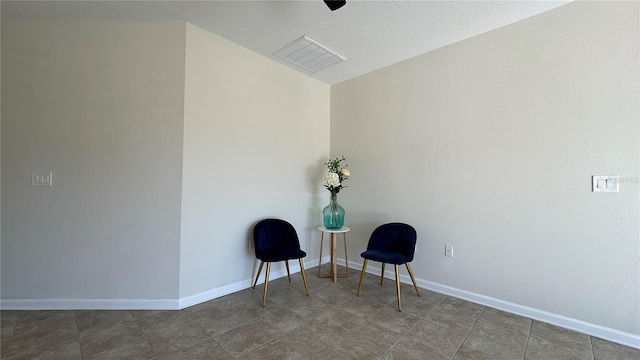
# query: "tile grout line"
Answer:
x=469 y=332
x=334 y=307
x=367 y=318
x=526 y=346
x=105 y=351
x=75 y=317
x=319 y=351
x=266 y=343
x=210 y=337
x=144 y=335
x=414 y=326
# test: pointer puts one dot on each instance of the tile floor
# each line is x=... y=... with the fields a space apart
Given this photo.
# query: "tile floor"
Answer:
x=330 y=324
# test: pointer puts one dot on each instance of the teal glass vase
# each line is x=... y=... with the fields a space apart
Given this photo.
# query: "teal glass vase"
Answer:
x=333 y=214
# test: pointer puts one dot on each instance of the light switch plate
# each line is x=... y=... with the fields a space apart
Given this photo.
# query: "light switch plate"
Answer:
x=41 y=179
x=605 y=183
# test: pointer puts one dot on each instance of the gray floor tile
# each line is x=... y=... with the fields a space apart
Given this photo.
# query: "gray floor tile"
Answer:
x=4 y=346
x=44 y=321
x=276 y=350
x=538 y=349
x=413 y=348
x=89 y=320
x=137 y=348
x=606 y=350
x=361 y=307
x=216 y=321
x=331 y=323
x=372 y=337
x=492 y=345
x=163 y=321
x=44 y=344
x=312 y=308
x=421 y=305
x=496 y=335
x=334 y=294
x=436 y=339
x=7 y=322
x=305 y=340
x=253 y=334
x=344 y=351
x=206 y=350
x=141 y=314
x=94 y=341
x=390 y=318
x=549 y=341
x=384 y=294
x=176 y=340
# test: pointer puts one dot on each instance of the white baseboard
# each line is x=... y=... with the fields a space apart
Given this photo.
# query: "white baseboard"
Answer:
x=204 y=296
x=89 y=304
x=598 y=331
x=294 y=268
x=147 y=304
x=601 y=332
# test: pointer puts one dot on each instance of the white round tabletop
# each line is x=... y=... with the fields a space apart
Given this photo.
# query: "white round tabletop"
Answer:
x=341 y=230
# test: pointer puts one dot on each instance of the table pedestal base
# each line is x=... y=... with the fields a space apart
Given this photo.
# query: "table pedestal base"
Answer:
x=333 y=273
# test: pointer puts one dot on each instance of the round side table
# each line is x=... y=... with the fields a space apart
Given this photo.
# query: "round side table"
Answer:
x=334 y=258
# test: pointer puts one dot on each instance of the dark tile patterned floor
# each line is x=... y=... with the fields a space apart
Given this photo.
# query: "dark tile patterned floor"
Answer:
x=332 y=323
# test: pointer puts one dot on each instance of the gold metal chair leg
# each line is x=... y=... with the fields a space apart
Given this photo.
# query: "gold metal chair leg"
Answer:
x=257 y=276
x=398 y=287
x=364 y=268
x=382 y=274
x=320 y=261
x=266 y=284
x=286 y=262
x=346 y=257
x=413 y=279
x=304 y=277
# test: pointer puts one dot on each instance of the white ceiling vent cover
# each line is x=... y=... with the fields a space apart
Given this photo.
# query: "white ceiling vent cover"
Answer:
x=309 y=54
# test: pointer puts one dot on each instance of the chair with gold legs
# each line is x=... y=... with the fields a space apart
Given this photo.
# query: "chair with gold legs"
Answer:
x=276 y=240
x=393 y=243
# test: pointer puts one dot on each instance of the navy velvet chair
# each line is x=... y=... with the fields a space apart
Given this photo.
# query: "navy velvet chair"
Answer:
x=276 y=240
x=393 y=243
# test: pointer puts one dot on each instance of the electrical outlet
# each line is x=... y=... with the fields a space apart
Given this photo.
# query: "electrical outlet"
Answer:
x=448 y=251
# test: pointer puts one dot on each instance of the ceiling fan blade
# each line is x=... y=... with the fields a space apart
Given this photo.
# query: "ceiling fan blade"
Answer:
x=335 y=5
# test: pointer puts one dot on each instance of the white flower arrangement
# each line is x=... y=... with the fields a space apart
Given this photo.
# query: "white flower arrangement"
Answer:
x=332 y=180
x=337 y=174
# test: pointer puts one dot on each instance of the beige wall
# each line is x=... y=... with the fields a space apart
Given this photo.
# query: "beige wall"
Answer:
x=99 y=104
x=167 y=144
x=255 y=136
x=489 y=145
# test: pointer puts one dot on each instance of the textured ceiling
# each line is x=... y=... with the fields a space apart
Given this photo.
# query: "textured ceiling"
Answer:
x=370 y=34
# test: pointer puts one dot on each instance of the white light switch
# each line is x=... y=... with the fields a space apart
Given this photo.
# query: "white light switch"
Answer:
x=605 y=183
x=41 y=179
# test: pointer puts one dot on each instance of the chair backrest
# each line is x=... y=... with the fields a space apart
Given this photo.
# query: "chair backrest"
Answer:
x=394 y=237
x=270 y=234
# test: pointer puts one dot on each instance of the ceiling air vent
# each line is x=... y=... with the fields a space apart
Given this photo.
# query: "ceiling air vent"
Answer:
x=309 y=54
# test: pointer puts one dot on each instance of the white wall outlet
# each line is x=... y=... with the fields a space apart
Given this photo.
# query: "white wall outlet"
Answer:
x=41 y=179
x=448 y=251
